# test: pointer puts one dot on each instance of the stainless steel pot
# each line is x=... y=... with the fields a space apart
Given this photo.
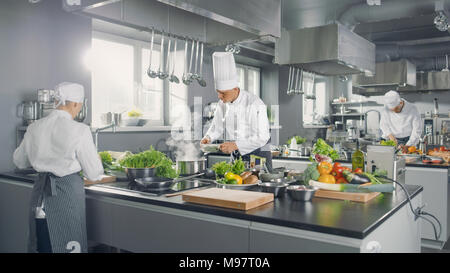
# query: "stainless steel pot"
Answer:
x=133 y=173
x=189 y=167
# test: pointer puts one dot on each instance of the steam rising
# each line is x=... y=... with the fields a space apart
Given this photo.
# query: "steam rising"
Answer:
x=185 y=150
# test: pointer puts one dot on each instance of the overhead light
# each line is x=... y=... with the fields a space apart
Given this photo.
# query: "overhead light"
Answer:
x=34 y=1
x=233 y=48
x=441 y=21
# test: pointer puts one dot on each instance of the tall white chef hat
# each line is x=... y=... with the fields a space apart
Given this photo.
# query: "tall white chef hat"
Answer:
x=225 y=73
x=392 y=99
x=68 y=91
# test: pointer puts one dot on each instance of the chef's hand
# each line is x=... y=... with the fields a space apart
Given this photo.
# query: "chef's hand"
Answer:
x=228 y=147
x=205 y=140
x=391 y=137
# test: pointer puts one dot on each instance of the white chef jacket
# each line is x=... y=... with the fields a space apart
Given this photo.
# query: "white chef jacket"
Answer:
x=59 y=145
x=406 y=123
x=245 y=122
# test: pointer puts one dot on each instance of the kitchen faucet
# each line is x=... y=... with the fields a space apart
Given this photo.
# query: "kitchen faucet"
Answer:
x=365 y=118
x=112 y=125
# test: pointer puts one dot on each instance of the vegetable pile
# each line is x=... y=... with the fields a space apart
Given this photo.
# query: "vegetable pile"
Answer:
x=233 y=173
x=323 y=152
x=108 y=162
x=151 y=159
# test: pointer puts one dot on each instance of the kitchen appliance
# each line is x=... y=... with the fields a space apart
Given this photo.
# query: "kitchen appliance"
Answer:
x=46 y=96
x=178 y=187
x=29 y=111
x=384 y=158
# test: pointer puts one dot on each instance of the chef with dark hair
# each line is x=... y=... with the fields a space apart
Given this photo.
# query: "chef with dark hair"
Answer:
x=58 y=148
x=400 y=121
x=240 y=118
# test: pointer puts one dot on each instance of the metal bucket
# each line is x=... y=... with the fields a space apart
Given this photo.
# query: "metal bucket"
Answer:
x=189 y=167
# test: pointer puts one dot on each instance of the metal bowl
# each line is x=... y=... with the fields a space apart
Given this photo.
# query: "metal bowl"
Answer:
x=283 y=180
x=155 y=182
x=302 y=193
x=133 y=173
x=236 y=186
x=266 y=177
x=278 y=189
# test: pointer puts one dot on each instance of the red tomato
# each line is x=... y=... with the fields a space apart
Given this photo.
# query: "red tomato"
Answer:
x=436 y=149
x=336 y=165
x=341 y=180
x=358 y=170
x=442 y=149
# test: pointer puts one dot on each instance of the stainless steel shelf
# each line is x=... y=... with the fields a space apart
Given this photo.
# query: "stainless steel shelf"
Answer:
x=348 y=103
x=316 y=126
x=348 y=115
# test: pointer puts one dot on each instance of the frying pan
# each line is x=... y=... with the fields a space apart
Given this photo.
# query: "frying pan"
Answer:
x=154 y=182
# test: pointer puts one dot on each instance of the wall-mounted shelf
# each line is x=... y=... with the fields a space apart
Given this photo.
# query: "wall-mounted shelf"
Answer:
x=316 y=126
x=348 y=115
x=357 y=103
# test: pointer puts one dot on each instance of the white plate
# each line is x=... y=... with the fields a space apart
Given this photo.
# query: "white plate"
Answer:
x=209 y=148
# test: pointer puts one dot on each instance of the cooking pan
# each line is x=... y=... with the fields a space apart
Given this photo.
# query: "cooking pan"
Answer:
x=154 y=182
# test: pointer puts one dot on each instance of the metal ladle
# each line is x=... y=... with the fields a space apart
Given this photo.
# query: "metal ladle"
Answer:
x=200 y=79
x=161 y=74
x=172 y=77
x=168 y=55
x=288 y=92
x=190 y=75
x=150 y=72
x=185 y=77
x=195 y=75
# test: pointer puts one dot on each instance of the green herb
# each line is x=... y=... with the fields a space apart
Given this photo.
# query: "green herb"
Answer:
x=388 y=143
x=220 y=168
x=298 y=139
x=238 y=166
x=322 y=148
x=151 y=159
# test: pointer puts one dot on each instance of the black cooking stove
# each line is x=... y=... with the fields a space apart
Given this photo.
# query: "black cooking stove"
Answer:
x=177 y=187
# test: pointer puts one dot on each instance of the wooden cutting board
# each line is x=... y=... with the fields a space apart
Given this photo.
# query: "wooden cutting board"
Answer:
x=105 y=179
x=351 y=196
x=233 y=199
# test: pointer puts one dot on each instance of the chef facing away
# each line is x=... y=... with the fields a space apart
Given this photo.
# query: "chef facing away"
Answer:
x=400 y=121
x=58 y=148
x=240 y=118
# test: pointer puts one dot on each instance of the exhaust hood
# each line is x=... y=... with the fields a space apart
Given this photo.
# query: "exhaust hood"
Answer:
x=388 y=76
x=432 y=81
x=326 y=50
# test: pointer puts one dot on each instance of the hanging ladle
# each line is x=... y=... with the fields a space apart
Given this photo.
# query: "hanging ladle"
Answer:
x=150 y=72
x=161 y=74
x=186 y=79
x=200 y=79
x=172 y=77
x=168 y=57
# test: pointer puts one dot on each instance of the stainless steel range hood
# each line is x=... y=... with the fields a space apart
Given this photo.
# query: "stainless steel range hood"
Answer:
x=258 y=17
x=388 y=76
x=326 y=50
x=432 y=81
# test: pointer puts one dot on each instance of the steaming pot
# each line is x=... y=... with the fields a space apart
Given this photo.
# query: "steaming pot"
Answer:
x=189 y=167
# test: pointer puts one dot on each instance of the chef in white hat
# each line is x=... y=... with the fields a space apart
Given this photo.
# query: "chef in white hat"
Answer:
x=240 y=119
x=58 y=148
x=400 y=121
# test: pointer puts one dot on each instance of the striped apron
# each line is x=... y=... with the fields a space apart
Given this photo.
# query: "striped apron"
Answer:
x=65 y=210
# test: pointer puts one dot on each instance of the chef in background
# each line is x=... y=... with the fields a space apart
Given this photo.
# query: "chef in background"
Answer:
x=400 y=121
x=240 y=118
x=58 y=148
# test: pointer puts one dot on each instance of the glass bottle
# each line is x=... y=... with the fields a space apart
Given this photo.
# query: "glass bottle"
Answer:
x=357 y=158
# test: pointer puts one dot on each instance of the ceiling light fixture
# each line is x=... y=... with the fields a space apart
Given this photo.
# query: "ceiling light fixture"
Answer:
x=441 y=21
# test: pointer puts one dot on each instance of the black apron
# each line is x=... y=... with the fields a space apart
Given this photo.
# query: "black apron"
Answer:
x=65 y=213
x=258 y=152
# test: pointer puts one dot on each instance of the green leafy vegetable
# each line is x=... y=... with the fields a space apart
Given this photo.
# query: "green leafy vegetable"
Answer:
x=388 y=143
x=238 y=166
x=299 y=139
x=151 y=159
x=220 y=168
x=322 y=148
